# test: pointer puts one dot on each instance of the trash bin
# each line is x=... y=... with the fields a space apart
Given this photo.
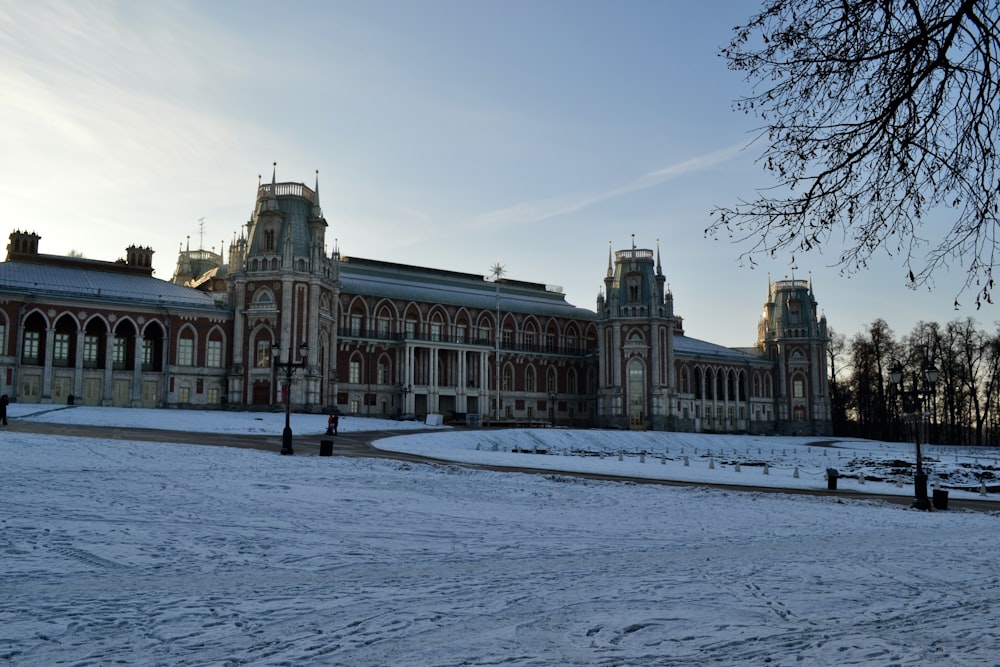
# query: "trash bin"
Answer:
x=831 y=478
x=70 y=400
x=326 y=447
x=940 y=499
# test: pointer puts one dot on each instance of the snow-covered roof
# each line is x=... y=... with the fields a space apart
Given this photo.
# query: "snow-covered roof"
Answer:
x=685 y=346
x=108 y=285
x=411 y=283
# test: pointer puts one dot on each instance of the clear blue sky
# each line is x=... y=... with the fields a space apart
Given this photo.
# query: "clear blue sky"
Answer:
x=450 y=134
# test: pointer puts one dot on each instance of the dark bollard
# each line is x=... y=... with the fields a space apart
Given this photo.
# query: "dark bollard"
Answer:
x=326 y=447
x=940 y=499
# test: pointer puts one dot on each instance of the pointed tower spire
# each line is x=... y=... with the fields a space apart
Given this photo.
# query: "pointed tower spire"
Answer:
x=272 y=194
x=317 y=211
x=659 y=266
x=611 y=270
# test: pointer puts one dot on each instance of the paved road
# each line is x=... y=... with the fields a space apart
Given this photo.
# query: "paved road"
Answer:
x=358 y=444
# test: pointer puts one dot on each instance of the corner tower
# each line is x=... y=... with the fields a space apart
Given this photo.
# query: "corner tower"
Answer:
x=635 y=324
x=794 y=336
x=284 y=290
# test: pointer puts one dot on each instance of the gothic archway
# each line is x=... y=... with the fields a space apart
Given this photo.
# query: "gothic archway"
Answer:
x=636 y=395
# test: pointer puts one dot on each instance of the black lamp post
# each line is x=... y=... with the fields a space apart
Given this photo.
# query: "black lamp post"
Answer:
x=404 y=389
x=552 y=397
x=287 y=369
x=913 y=404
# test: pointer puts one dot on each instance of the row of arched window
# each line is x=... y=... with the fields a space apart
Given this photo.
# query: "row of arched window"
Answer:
x=97 y=342
x=728 y=384
x=530 y=333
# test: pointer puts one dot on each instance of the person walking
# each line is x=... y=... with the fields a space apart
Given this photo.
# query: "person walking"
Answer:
x=329 y=425
x=4 y=401
x=336 y=423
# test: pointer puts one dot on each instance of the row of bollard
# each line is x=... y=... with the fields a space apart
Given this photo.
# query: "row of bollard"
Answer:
x=831 y=475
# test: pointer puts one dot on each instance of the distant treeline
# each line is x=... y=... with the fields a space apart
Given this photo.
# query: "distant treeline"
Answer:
x=964 y=408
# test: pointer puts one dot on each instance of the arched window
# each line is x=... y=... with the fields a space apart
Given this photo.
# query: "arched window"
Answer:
x=636 y=393
x=94 y=338
x=213 y=350
x=354 y=369
x=124 y=346
x=185 y=348
x=64 y=342
x=152 y=347
x=508 y=378
x=798 y=386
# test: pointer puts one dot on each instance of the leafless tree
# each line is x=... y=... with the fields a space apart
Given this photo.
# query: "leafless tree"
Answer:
x=872 y=353
x=876 y=113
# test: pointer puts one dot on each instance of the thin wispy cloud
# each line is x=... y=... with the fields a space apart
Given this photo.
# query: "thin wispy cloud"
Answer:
x=545 y=209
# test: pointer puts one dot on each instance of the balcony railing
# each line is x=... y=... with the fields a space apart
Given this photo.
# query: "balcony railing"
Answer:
x=287 y=190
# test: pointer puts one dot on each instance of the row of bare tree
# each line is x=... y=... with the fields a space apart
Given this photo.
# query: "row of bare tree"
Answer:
x=962 y=409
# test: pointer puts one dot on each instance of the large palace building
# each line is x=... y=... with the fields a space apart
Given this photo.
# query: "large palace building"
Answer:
x=373 y=338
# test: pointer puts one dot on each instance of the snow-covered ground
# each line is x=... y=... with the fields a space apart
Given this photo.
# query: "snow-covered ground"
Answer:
x=120 y=552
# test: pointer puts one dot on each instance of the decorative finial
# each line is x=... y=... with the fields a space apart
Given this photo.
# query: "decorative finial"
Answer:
x=497 y=270
x=317 y=210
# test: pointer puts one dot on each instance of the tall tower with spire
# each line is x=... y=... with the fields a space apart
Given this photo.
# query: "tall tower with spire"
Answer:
x=793 y=335
x=284 y=291
x=636 y=325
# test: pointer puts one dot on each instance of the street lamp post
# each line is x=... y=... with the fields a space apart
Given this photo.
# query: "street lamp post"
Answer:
x=287 y=371
x=404 y=389
x=552 y=397
x=913 y=404
x=497 y=271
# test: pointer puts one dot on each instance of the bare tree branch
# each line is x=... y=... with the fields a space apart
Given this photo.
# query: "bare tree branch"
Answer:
x=876 y=112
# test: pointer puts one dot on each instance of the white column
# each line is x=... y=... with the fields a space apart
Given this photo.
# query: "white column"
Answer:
x=77 y=390
x=46 y=394
x=107 y=391
x=136 y=395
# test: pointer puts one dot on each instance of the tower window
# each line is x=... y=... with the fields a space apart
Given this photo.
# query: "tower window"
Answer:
x=798 y=388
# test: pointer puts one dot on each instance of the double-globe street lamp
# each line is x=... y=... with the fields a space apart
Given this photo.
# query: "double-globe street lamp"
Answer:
x=913 y=405
x=553 y=397
x=404 y=389
x=287 y=371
